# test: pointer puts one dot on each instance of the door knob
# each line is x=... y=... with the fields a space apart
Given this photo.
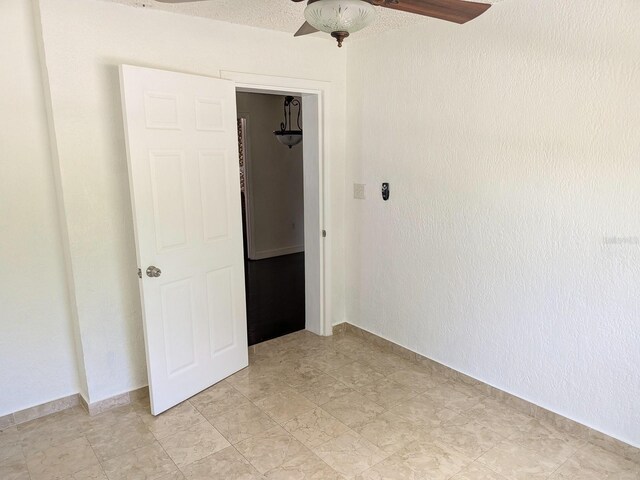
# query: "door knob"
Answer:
x=153 y=271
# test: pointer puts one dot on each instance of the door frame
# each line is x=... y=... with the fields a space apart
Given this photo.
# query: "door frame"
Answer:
x=317 y=209
x=245 y=118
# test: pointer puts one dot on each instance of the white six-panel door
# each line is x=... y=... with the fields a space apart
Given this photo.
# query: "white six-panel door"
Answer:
x=183 y=168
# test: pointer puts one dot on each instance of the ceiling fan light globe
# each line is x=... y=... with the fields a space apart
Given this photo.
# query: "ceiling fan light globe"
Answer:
x=340 y=15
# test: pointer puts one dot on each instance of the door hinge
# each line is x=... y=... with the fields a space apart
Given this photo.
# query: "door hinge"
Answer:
x=324 y=233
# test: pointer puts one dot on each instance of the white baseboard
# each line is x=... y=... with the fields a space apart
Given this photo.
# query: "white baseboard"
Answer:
x=276 y=252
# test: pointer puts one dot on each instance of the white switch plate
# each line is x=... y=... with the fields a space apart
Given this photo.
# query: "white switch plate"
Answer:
x=358 y=191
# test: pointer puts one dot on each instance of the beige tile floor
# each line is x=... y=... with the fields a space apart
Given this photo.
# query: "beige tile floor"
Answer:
x=310 y=408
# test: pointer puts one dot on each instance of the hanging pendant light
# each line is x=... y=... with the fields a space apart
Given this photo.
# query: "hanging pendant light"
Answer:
x=285 y=135
x=339 y=17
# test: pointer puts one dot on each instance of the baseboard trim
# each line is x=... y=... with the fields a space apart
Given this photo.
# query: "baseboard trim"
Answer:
x=340 y=328
x=276 y=252
x=38 y=411
x=560 y=422
x=116 y=401
x=6 y=421
x=64 y=403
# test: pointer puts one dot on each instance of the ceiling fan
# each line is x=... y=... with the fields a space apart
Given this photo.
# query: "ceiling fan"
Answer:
x=340 y=18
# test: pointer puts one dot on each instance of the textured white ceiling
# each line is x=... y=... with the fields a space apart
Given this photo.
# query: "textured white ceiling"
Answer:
x=283 y=15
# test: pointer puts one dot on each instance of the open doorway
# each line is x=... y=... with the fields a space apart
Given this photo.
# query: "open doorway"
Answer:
x=272 y=193
x=316 y=112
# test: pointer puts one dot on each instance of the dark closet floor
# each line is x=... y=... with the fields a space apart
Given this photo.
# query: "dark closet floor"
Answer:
x=275 y=296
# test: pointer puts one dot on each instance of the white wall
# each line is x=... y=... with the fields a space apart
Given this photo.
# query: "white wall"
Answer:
x=512 y=146
x=84 y=42
x=37 y=357
x=274 y=179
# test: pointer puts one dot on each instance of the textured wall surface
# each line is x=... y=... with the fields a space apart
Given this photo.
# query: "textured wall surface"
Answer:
x=37 y=357
x=84 y=42
x=274 y=178
x=512 y=145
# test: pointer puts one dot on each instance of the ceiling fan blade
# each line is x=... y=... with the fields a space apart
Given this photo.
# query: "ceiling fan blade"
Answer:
x=305 y=29
x=457 y=11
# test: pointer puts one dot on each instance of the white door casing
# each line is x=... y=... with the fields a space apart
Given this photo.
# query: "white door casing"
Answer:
x=183 y=171
x=316 y=100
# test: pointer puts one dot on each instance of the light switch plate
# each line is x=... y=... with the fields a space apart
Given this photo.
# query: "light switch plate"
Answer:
x=358 y=191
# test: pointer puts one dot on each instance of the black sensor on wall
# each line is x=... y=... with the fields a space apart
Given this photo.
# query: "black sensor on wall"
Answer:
x=385 y=191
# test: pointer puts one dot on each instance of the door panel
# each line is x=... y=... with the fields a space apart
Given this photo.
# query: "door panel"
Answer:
x=167 y=183
x=161 y=111
x=215 y=198
x=178 y=325
x=221 y=309
x=185 y=191
x=209 y=115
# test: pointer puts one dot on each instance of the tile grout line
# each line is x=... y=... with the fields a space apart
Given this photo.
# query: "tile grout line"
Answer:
x=282 y=426
x=101 y=462
x=256 y=406
x=290 y=435
x=85 y=427
x=234 y=445
x=95 y=455
x=562 y=463
x=247 y=460
x=501 y=396
x=485 y=396
x=155 y=440
x=170 y=458
x=213 y=426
